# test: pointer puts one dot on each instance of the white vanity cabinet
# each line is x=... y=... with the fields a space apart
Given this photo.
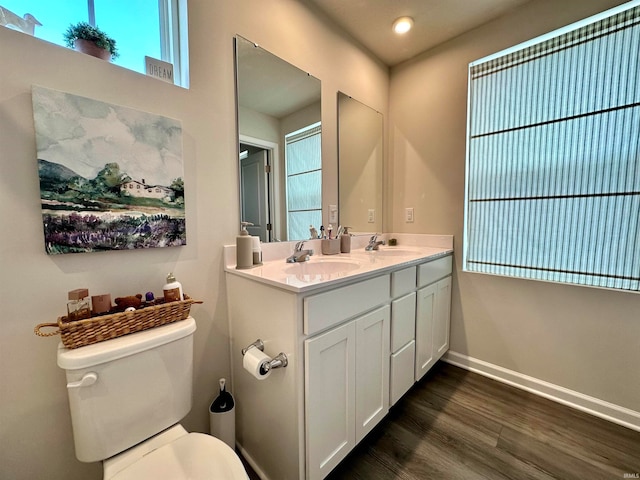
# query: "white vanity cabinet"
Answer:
x=403 y=328
x=352 y=350
x=420 y=319
x=346 y=388
x=432 y=314
x=346 y=369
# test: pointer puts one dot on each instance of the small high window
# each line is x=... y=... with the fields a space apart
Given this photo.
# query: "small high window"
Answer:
x=152 y=28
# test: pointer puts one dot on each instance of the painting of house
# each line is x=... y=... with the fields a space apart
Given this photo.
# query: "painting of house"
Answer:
x=110 y=176
x=135 y=188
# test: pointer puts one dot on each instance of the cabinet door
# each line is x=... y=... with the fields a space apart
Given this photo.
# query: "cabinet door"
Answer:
x=329 y=398
x=403 y=321
x=372 y=369
x=401 y=375
x=425 y=315
x=442 y=320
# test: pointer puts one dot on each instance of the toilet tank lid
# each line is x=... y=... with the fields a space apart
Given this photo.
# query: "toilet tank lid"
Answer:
x=102 y=352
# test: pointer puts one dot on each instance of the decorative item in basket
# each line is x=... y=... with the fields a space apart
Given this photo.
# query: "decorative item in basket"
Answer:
x=78 y=305
x=78 y=333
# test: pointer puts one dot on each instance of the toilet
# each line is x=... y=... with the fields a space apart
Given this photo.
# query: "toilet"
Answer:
x=127 y=396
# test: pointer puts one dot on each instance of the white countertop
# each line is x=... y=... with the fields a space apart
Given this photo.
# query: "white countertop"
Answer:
x=330 y=270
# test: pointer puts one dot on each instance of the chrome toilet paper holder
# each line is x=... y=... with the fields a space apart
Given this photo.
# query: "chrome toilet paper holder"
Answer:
x=278 y=361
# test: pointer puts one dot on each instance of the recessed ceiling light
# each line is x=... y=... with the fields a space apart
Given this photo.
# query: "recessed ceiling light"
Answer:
x=402 y=25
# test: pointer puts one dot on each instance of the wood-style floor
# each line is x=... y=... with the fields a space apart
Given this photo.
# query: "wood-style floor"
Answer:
x=455 y=424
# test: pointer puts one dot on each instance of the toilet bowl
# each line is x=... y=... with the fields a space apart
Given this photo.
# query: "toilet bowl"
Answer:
x=127 y=396
x=176 y=454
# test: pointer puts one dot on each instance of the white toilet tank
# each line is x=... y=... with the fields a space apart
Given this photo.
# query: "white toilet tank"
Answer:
x=125 y=390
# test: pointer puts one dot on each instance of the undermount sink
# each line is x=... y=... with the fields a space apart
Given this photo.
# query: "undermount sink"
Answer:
x=329 y=267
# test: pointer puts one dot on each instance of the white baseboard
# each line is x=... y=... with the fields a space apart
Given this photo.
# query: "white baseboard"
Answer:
x=594 y=406
x=251 y=462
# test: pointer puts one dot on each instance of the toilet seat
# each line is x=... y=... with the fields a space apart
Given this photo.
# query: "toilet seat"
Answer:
x=193 y=456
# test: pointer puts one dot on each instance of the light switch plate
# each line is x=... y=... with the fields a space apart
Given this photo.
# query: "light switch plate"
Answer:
x=408 y=215
x=371 y=216
x=333 y=214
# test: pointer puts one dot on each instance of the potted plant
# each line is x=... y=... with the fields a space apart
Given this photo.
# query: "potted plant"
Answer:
x=88 y=39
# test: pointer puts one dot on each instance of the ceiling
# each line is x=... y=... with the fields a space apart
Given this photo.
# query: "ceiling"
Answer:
x=270 y=85
x=435 y=22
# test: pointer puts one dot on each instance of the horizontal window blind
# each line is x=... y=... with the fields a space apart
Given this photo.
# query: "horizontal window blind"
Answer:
x=553 y=158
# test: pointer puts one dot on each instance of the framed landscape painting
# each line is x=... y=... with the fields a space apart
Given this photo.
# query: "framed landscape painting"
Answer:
x=111 y=177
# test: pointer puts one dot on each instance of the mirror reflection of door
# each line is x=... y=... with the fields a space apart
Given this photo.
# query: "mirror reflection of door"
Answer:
x=254 y=191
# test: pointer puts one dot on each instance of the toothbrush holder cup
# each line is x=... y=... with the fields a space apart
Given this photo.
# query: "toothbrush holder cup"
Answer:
x=330 y=246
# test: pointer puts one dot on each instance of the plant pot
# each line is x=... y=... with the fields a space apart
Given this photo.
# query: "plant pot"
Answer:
x=90 y=48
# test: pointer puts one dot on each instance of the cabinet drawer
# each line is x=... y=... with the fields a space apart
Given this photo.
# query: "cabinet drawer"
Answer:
x=403 y=321
x=432 y=271
x=333 y=307
x=402 y=374
x=403 y=282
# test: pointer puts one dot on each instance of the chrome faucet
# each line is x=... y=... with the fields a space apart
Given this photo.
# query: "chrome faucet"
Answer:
x=299 y=255
x=374 y=243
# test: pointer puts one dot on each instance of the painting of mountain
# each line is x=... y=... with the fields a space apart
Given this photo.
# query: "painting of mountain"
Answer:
x=53 y=176
x=111 y=177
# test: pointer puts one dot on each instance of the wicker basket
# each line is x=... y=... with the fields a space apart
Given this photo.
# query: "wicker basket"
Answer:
x=79 y=333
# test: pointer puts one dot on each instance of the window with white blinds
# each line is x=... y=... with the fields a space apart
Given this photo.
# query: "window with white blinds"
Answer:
x=304 y=181
x=553 y=156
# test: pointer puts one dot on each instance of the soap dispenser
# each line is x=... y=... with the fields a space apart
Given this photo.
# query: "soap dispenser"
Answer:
x=345 y=241
x=244 y=248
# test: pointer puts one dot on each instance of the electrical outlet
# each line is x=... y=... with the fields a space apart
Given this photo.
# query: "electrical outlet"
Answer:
x=333 y=214
x=371 y=215
x=408 y=215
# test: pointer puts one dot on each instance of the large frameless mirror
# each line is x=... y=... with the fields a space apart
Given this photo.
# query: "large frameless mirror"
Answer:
x=360 y=165
x=279 y=137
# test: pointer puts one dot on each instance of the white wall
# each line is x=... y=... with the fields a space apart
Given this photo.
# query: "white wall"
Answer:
x=36 y=438
x=579 y=338
x=258 y=125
